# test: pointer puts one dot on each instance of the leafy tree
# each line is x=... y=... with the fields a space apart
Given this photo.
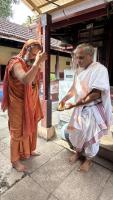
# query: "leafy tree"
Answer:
x=6 y=7
x=30 y=20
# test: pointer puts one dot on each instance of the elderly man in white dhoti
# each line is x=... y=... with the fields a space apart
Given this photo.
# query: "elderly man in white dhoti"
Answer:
x=92 y=114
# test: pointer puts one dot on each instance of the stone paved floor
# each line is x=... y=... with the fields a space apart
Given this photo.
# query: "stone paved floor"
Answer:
x=50 y=176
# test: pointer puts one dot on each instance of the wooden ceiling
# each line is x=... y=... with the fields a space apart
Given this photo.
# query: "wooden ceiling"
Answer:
x=48 y=6
x=71 y=17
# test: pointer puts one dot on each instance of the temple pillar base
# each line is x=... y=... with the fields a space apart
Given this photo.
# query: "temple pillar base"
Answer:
x=46 y=133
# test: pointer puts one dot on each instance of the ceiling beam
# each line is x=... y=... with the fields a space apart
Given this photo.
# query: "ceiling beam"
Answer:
x=47 y=3
x=85 y=15
x=65 y=5
x=34 y=6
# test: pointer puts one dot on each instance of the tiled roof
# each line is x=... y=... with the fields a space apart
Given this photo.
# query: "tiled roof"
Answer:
x=22 y=33
x=16 y=31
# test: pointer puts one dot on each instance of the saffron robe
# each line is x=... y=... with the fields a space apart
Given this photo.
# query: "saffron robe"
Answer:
x=24 y=111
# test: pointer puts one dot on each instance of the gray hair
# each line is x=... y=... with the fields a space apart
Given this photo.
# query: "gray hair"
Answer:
x=88 y=48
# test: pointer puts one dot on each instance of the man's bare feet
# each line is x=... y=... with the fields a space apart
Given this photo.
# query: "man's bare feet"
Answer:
x=86 y=165
x=74 y=158
x=35 y=153
x=19 y=166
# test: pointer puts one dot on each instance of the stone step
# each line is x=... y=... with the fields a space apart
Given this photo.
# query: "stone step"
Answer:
x=105 y=154
x=106 y=147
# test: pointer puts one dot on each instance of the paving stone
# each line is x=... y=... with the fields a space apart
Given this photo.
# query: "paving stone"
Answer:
x=3 y=121
x=26 y=189
x=47 y=150
x=52 y=198
x=51 y=174
x=6 y=141
x=13 y=176
x=35 y=162
x=3 y=161
x=8 y=175
x=10 y=178
x=41 y=141
x=83 y=186
x=50 y=148
x=107 y=193
x=6 y=152
x=4 y=133
x=2 y=145
x=4 y=169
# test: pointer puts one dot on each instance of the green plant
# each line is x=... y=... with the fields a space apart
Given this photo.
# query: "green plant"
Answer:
x=52 y=77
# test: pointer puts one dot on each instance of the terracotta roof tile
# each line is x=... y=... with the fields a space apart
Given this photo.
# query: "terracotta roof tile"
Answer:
x=19 y=32
x=10 y=29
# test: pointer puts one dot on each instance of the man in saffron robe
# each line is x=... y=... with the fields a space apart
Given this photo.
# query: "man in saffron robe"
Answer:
x=92 y=115
x=21 y=99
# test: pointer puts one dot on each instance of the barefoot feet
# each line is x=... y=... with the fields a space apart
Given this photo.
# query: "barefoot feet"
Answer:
x=74 y=158
x=86 y=166
x=19 y=166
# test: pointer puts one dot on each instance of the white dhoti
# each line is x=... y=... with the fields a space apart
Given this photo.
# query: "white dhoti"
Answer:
x=90 y=122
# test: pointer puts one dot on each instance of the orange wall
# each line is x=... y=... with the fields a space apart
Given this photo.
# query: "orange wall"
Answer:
x=62 y=63
x=6 y=53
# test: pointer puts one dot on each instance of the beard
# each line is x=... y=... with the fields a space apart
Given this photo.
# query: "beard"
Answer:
x=28 y=61
x=31 y=61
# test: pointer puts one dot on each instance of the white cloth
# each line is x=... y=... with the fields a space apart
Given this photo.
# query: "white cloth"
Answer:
x=90 y=122
x=92 y=150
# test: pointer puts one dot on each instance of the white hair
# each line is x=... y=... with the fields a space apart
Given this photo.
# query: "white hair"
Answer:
x=89 y=49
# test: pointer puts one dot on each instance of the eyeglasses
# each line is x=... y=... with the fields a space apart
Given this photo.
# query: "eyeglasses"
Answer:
x=77 y=57
x=34 y=46
x=80 y=57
